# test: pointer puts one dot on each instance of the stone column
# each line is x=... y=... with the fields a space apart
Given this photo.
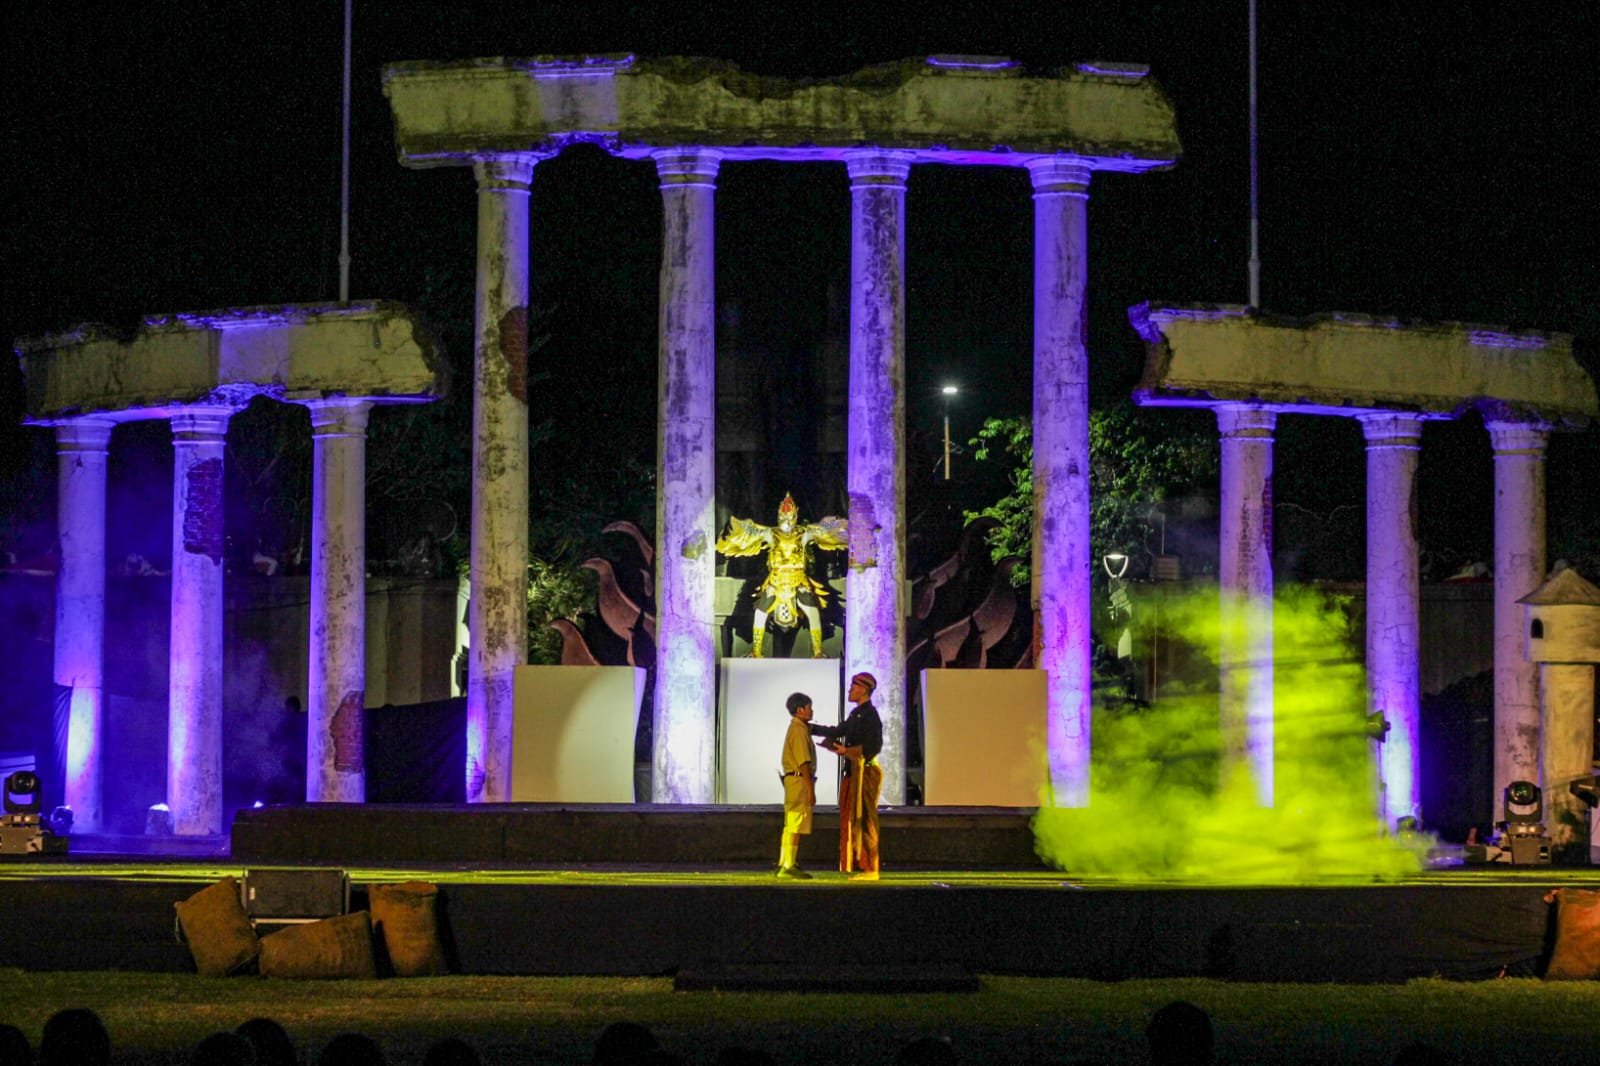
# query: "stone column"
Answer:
x=685 y=723
x=1062 y=557
x=82 y=445
x=1244 y=585
x=1519 y=566
x=194 y=700
x=875 y=622
x=337 y=673
x=1394 y=682
x=498 y=610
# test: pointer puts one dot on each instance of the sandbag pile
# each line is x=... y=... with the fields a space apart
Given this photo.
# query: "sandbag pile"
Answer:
x=402 y=930
x=1576 y=956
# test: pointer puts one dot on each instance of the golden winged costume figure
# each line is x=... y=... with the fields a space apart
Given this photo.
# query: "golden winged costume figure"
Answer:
x=788 y=592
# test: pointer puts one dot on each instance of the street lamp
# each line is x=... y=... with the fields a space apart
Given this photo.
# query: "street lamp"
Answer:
x=947 y=391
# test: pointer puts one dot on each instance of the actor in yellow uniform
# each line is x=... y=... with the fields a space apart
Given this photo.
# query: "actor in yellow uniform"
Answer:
x=799 y=785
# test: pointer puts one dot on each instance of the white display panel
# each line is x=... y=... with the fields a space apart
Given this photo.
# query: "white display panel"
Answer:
x=983 y=739
x=572 y=735
x=752 y=715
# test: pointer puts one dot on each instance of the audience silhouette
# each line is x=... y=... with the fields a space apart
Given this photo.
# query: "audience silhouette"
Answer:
x=452 y=1052
x=74 y=1037
x=1180 y=1035
x=14 y=1047
x=270 y=1043
x=351 y=1049
x=223 y=1049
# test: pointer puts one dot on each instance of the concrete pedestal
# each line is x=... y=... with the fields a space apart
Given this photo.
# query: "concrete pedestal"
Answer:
x=754 y=718
x=573 y=737
x=983 y=738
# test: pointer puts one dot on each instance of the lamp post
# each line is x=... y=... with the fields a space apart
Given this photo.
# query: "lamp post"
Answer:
x=948 y=391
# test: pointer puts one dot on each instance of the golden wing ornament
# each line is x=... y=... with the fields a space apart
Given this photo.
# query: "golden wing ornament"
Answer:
x=744 y=538
x=830 y=534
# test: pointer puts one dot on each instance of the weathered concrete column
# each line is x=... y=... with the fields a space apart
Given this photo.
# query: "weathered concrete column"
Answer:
x=498 y=610
x=875 y=623
x=336 y=769
x=1519 y=566
x=194 y=686
x=82 y=445
x=1394 y=683
x=685 y=722
x=1062 y=557
x=1244 y=584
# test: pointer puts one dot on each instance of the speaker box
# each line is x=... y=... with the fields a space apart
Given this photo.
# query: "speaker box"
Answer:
x=295 y=895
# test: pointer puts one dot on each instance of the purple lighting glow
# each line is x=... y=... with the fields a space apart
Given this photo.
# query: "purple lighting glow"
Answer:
x=956 y=62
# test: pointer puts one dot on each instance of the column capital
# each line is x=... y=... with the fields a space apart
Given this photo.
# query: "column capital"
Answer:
x=878 y=166
x=1517 y=437
x=510 y=172
x=91 y=435
x=1246 y=421
x=201 y=424
x=1060 y=175
x=1391 y=429
x=689 y=165
x=339 y=416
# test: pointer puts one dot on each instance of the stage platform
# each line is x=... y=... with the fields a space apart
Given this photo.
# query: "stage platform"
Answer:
x=641 y=890
x=633 y=834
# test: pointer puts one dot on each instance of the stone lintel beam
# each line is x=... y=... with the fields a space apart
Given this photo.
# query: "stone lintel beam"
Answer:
x=379 y=351
x=950 y=109
x=1349 y=364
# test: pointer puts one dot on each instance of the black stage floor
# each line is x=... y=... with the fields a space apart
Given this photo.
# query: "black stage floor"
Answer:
x=642 y=890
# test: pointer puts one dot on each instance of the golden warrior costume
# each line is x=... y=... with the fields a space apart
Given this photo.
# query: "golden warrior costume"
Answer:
x=788 y=591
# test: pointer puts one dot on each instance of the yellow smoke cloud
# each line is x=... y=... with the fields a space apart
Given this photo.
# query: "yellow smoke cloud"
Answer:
x=1156 y=811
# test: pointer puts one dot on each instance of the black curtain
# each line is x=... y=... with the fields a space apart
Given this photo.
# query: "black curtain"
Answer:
x=417 y=753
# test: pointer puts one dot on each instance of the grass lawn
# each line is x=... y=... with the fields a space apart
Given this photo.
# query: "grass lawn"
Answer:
x=157 y=1018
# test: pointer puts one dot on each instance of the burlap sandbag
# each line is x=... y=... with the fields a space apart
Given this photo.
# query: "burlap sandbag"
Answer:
x=334 y=947
x=405 y=917
x=1577 y=952
x=218 y=931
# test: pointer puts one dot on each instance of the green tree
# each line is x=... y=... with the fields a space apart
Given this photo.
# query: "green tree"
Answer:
x=1137 y=462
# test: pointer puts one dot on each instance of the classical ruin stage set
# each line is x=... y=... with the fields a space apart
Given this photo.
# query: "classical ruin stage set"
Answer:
x=1048 y=839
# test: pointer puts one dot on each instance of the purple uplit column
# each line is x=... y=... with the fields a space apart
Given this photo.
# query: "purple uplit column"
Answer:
x=81 y=448
x=1062 y=558
x=337 y=671
x=194 y=685
x=497 y=613
x=875 y=625
x=685 y=722
x=1519 y=566
x=1394 y=682
x=1244 y=585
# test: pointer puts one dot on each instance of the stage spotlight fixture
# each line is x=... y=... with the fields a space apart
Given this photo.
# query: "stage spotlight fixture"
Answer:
x=1522 y=835
x=22 y=829
x=22 y=792
x=1585 y=789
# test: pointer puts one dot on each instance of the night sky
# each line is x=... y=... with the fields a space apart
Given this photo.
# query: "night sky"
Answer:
x=1428 y=163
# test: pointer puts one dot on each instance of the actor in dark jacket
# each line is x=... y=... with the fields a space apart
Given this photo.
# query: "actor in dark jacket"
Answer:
x=857 y=740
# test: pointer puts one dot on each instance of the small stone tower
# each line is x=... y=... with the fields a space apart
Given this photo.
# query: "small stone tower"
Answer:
x=1563 y=636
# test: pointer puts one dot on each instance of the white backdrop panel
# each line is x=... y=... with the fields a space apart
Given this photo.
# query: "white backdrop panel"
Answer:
x=753 y=719
x=572 y=734
x=983 y=738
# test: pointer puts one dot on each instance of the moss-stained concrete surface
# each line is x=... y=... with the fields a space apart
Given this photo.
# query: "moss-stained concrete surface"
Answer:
x=1342 y=363
x=951 y=109
x=289 y=352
